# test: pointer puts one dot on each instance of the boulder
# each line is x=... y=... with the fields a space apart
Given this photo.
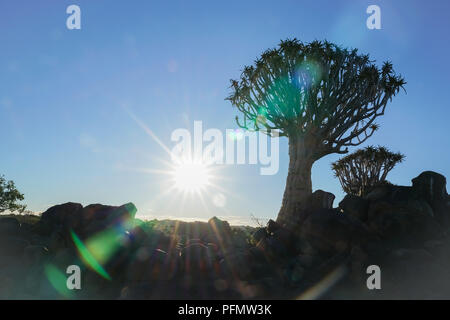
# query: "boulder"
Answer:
x=259 y=234
x=295 y=272
x=42 y=229
x=199 y=262
x=57 y=240
x=220 y=232
x=318 y=200
x=148 y=264
x=306 y=260
x=9 y=226
x=321 y=200
x=273 y=249
x=420 y=255
x=410 y=221
x=237 y=265
x=35 y=255
x=13 y=247
x=330 y=231
x=64 y=258
x=355 y=206
x=285 y=242
x=67 y=215
x=112 y=214
x=273 y=226
x=97 y=217
x=400 y=194
x=431 y=187
x=379 y=192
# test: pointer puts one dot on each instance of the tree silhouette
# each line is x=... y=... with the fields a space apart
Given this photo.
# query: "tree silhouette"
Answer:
x=9 y=196
x=322 y=97
x=365 y=168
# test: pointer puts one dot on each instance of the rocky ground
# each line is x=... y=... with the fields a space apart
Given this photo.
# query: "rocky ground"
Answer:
x=403 y=230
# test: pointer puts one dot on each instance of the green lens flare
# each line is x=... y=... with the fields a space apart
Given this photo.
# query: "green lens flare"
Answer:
x=88 y=257
x=58 y=280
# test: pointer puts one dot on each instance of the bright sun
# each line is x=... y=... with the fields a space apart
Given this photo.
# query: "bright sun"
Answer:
x=191 y=176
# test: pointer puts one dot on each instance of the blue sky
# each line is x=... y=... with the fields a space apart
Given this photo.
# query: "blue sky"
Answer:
x=64 y=94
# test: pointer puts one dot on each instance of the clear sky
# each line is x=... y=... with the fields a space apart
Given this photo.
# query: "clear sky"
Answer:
x=66 y=134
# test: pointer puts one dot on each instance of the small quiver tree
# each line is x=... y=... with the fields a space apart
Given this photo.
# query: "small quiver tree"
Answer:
x=365 y=168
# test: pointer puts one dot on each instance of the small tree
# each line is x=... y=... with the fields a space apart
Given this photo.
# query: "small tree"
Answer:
x=9 y=196
x=365 y=168
x=322 y=97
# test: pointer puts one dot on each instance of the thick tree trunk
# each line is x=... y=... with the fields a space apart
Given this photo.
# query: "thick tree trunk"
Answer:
x=298 y=183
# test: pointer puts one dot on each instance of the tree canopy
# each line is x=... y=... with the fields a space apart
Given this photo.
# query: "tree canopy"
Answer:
x=9 y=196
x=316 y=90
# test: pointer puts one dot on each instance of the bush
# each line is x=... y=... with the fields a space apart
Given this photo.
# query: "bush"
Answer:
x=9 y=196
x=360 y=171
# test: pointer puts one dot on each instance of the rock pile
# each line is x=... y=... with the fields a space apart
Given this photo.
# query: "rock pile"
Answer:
x=121 y=258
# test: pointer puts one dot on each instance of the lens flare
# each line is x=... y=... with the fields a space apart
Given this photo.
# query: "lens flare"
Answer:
x=191 y=176
x=88 y=257
x=58 y=280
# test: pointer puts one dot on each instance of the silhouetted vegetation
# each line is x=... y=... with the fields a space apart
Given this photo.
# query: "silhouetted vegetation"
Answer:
x=365 y=168
x=10 y=196
x=322 y=97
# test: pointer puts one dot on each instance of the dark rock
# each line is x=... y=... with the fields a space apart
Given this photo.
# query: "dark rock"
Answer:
x=199 y=262
x=272 y=249
x=26 y=230
x=273 y=226
x=359 y=261
x=330 y=231
x=98 y=217
x=220 y=232
x=13 y=247
x=149 y=264
x=306 y=260
x=285 y=242
x=355 y=206
x=379 y=192
x=64 y=258
x=321 y=200
x=57 y=241
x=412 y=254
x=431 y=187
x=400 y=194
x=403 y=221
x=304 y=247
x=237 y=265
x=9 y=226
x=318 y=200
x=67 y=215
x=389 y=192
x=35 y=255
x=42 y=229
x=295 y=272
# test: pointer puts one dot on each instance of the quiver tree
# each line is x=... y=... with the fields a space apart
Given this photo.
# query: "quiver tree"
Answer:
x=322 y=97
x=365 y=168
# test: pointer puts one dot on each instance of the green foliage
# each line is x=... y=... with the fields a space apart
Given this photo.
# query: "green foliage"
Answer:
x=9 y=196
x=317 y=91
x=360 y=171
